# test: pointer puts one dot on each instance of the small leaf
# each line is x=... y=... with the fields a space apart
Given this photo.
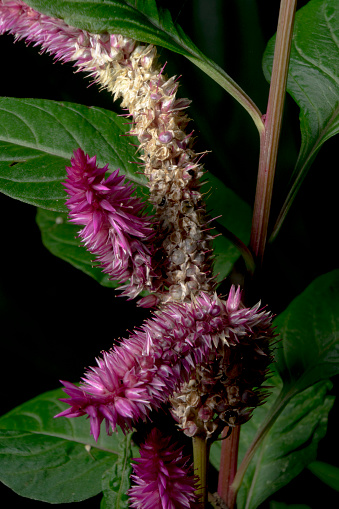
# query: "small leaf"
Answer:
x=60 y=237
x=289 y=446
x=116 y=480
x=53 y=460
x=313 y=82
x=329 y=474
x=309 y=333
x=37 y=140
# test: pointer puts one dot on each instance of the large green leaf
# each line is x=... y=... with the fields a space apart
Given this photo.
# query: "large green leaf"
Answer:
x=290 y=445
x=144 y=21
x=307 y=353
x=309 y=332
x=313 y=82
x=60 y=237
x=288 y=448
x=54 y=460
x=37 y=140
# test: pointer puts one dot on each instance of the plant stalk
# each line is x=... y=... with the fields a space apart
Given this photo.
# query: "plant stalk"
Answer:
x=228 y=466
x=201 y=449
x=269 y=142
x=269 y=139
x=274 y=412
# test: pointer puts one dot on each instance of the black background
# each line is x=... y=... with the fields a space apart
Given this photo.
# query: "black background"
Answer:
x=55 y=320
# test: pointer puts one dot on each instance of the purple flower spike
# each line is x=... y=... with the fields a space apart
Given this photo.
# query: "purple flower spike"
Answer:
x=115 y=230
x=145 y=370
x=162 y=478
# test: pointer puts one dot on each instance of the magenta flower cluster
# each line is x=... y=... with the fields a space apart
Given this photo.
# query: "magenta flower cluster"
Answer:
x=52 y=34
x=115 y=230
x=161 y=476
x=143 y=371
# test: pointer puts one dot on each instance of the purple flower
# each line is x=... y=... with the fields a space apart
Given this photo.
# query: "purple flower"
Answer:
x=55 y=36
x=162 y=478
x=144 y=371
x=115 y=230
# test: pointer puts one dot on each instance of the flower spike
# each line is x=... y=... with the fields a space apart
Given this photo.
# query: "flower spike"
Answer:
x=115 y=230
x=183 y=340
x=162 y=477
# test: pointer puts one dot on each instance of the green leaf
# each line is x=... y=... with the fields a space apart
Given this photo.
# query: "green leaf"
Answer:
x=290 y=444
x=37 y=140
x=329 y=474
x=116 y=480
x=313 y=82
x=143 y=21
x=288 y=448
x=308 y=352
x=309 y=333
x=53 y=460
x=60 y=237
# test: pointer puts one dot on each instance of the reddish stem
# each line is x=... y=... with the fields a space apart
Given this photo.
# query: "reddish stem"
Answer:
x=269 y=139
x=228 y=466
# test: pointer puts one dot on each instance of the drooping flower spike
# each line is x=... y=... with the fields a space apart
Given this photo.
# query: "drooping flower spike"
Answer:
x=162 y=476
x=115 y=231
x=144 y=371
x=130 y=70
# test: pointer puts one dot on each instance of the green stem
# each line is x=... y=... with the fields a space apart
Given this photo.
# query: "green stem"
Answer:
x=269 y=139
x=228 y=84
x=200 y=456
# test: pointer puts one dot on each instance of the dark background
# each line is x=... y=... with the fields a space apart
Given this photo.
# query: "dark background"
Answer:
x=55 y=319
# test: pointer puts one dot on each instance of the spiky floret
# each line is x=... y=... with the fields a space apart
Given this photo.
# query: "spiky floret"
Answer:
x=162 y=476
x=115 y=231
